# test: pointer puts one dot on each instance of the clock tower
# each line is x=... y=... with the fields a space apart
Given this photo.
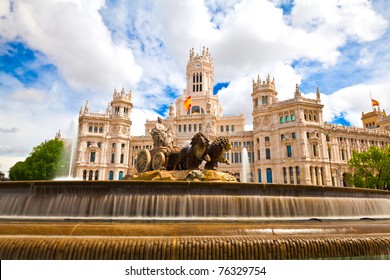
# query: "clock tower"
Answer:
x=199 y=89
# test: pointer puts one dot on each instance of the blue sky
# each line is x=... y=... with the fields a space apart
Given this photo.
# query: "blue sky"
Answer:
x=56 y=55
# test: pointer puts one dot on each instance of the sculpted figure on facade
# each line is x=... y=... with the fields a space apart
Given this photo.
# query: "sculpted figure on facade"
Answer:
x=161 y=136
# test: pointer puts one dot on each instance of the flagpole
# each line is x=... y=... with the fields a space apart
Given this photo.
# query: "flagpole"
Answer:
x=372 y=106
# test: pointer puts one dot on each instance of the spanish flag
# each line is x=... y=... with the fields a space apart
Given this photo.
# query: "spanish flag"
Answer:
x=374 y=102
x=187 y=103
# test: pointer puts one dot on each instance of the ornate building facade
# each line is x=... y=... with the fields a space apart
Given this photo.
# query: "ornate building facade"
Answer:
x=290 y=143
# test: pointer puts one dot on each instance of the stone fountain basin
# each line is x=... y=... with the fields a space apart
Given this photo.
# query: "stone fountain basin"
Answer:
x=162 y=200
x=114 y=220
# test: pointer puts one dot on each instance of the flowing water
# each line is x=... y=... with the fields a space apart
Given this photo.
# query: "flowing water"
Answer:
x=190 y=220
x=139 y=201
x=245 y=166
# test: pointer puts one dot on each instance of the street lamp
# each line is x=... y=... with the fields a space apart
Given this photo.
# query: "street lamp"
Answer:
x=328 y=130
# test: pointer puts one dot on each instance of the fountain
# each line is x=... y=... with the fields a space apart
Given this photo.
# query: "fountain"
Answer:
x=191 y=220
x=179 y=219
x=245 y=166
x=70 y=151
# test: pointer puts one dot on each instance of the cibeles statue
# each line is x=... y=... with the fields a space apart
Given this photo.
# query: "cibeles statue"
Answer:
x=161 y=136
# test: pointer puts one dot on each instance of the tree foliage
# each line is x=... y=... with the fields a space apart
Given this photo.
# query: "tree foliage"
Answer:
x=44 y=163
x=371 y=169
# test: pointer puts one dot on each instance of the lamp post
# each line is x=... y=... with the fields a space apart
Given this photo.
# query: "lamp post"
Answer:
x=327 y=130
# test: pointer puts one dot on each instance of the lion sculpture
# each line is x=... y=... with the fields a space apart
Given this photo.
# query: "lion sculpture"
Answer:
x=192 y=156
x=216 y=151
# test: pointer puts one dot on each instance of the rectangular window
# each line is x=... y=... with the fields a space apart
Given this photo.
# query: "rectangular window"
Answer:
x=289 y=151
x=179 y=127
x=200 y=127
x=194 y=127
x=236 y=157
x=200 y=87
x=221 y=128
x=92 y=158
x=185 y=128
x=315 y=150
x=193 y=88
x=233 y=128
x=267 y=153
x=227 y=128
x=112 y=158
x=269 y=175
x=122 y=158
x=189 y=127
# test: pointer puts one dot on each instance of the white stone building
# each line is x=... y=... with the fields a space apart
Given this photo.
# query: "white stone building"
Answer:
x=290 y=142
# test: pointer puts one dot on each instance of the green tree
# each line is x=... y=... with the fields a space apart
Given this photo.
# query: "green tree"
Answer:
x=371 y=169
x=44 y=163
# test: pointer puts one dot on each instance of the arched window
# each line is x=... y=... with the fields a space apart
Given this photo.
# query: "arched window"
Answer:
x=292 y=117
x=298 y=175
x=287 y=119
x=95 y=129
x=259 y=175
x=269 y=175
x=122 y=158
x=120 y=175
x=90 y=175
x=291 y=171
x=285 y=175
x=111 y=176
x=101 y=129
x=88 y=143
x=293 y=135
x=196 y=110
x=96 y=175
x=90 y=128
x=85 y=175
x=281 y=120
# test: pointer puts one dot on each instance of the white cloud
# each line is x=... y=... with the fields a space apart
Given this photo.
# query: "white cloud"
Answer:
x=366 y=57
x=138 y=127
x=74 y=38
x=351 y=101
x=30 y=95
x=4 y=8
